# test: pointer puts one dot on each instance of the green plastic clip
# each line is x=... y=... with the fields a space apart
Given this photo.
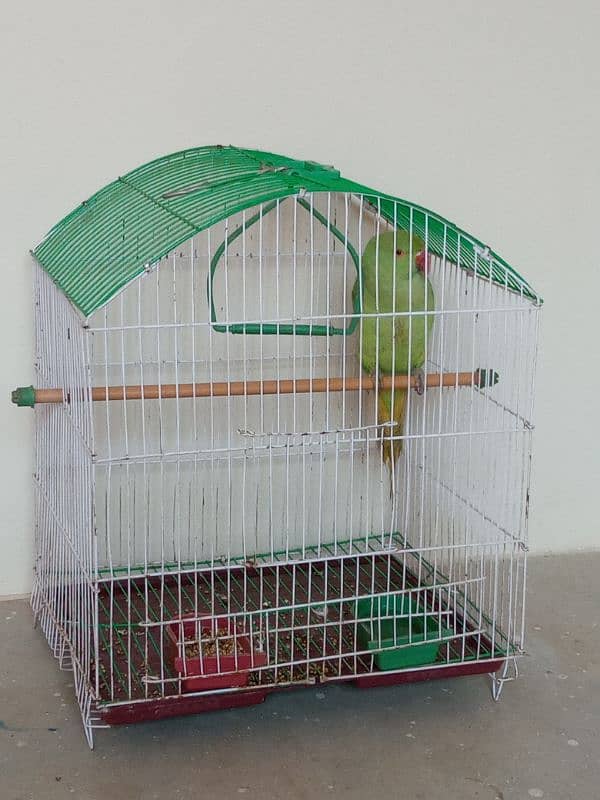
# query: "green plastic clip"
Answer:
x=23 y=396
x=315 y=166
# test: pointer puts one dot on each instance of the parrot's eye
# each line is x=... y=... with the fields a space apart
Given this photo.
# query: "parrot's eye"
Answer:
x=399 y=252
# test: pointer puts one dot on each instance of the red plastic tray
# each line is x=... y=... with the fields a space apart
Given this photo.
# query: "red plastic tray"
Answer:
x=204 y=671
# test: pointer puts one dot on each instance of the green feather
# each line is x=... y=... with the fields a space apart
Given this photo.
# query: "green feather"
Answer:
x=391 y=282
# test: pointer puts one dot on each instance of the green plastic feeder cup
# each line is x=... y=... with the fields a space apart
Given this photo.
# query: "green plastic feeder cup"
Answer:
x=408 y=647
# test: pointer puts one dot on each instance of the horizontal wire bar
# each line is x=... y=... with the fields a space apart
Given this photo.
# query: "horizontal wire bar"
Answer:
x=280 y=450
x=302 y=605
x=314 y=318
x=152 y=570
x=350 y=676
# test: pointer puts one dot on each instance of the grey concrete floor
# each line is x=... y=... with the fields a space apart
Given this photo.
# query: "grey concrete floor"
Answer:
x=443 y=739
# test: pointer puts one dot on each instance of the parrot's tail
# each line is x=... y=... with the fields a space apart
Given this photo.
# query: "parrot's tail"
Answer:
x=386 y=414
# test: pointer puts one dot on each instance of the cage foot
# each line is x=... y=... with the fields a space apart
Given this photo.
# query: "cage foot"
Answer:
x=508 y=672
x=35 y=604
x=65 y=663
x=89 y=735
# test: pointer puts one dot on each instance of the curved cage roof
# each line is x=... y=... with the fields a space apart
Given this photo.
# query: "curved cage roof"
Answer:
x=109 y=239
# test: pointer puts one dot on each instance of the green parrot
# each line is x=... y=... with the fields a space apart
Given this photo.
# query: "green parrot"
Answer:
x=385 y=340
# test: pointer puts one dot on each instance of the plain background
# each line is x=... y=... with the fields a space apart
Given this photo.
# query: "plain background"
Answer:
x=488 y=113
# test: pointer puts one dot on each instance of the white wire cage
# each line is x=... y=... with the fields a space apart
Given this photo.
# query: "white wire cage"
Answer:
x=215 y=516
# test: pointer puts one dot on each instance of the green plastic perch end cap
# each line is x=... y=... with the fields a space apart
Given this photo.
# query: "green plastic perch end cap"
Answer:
x=486 y=377
x=24 y=396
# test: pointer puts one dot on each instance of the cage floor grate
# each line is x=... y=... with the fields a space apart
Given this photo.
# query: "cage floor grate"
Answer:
x=304 y=614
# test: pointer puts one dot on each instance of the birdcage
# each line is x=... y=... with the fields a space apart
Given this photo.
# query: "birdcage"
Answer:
x=216 y=516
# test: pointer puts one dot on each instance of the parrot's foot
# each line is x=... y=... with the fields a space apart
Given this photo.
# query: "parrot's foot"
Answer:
x=419 y=377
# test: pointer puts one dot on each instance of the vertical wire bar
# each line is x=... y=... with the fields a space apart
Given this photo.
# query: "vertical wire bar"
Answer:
x=162 y=447
x=312 y=400
x=177 y=521
x=130 y=533
x=229 y=475
x=144 y=283
x=329 y=247
x=245 y=379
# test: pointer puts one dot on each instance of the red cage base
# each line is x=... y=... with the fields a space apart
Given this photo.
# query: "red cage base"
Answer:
x=131 y=651
x=179 y=706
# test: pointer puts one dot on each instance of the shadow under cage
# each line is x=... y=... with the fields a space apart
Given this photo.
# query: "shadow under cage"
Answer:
x=218 y=513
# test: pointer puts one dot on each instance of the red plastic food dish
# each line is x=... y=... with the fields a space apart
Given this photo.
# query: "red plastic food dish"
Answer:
x=208 y=670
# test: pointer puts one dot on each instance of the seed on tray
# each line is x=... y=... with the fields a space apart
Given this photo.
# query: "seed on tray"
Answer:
x=223 y=644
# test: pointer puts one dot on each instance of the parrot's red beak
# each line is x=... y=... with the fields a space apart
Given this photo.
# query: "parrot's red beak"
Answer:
x=422 y=261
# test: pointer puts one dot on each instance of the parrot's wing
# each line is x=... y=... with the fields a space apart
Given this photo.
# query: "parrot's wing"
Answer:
x=430 y=304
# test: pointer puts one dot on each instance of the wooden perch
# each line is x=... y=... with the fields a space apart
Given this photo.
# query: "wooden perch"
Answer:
x=28 y=395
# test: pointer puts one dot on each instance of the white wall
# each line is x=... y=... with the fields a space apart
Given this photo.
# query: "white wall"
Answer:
x=487 y=113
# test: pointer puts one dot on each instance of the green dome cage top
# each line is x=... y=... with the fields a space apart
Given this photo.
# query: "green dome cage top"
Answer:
x=108 y=240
